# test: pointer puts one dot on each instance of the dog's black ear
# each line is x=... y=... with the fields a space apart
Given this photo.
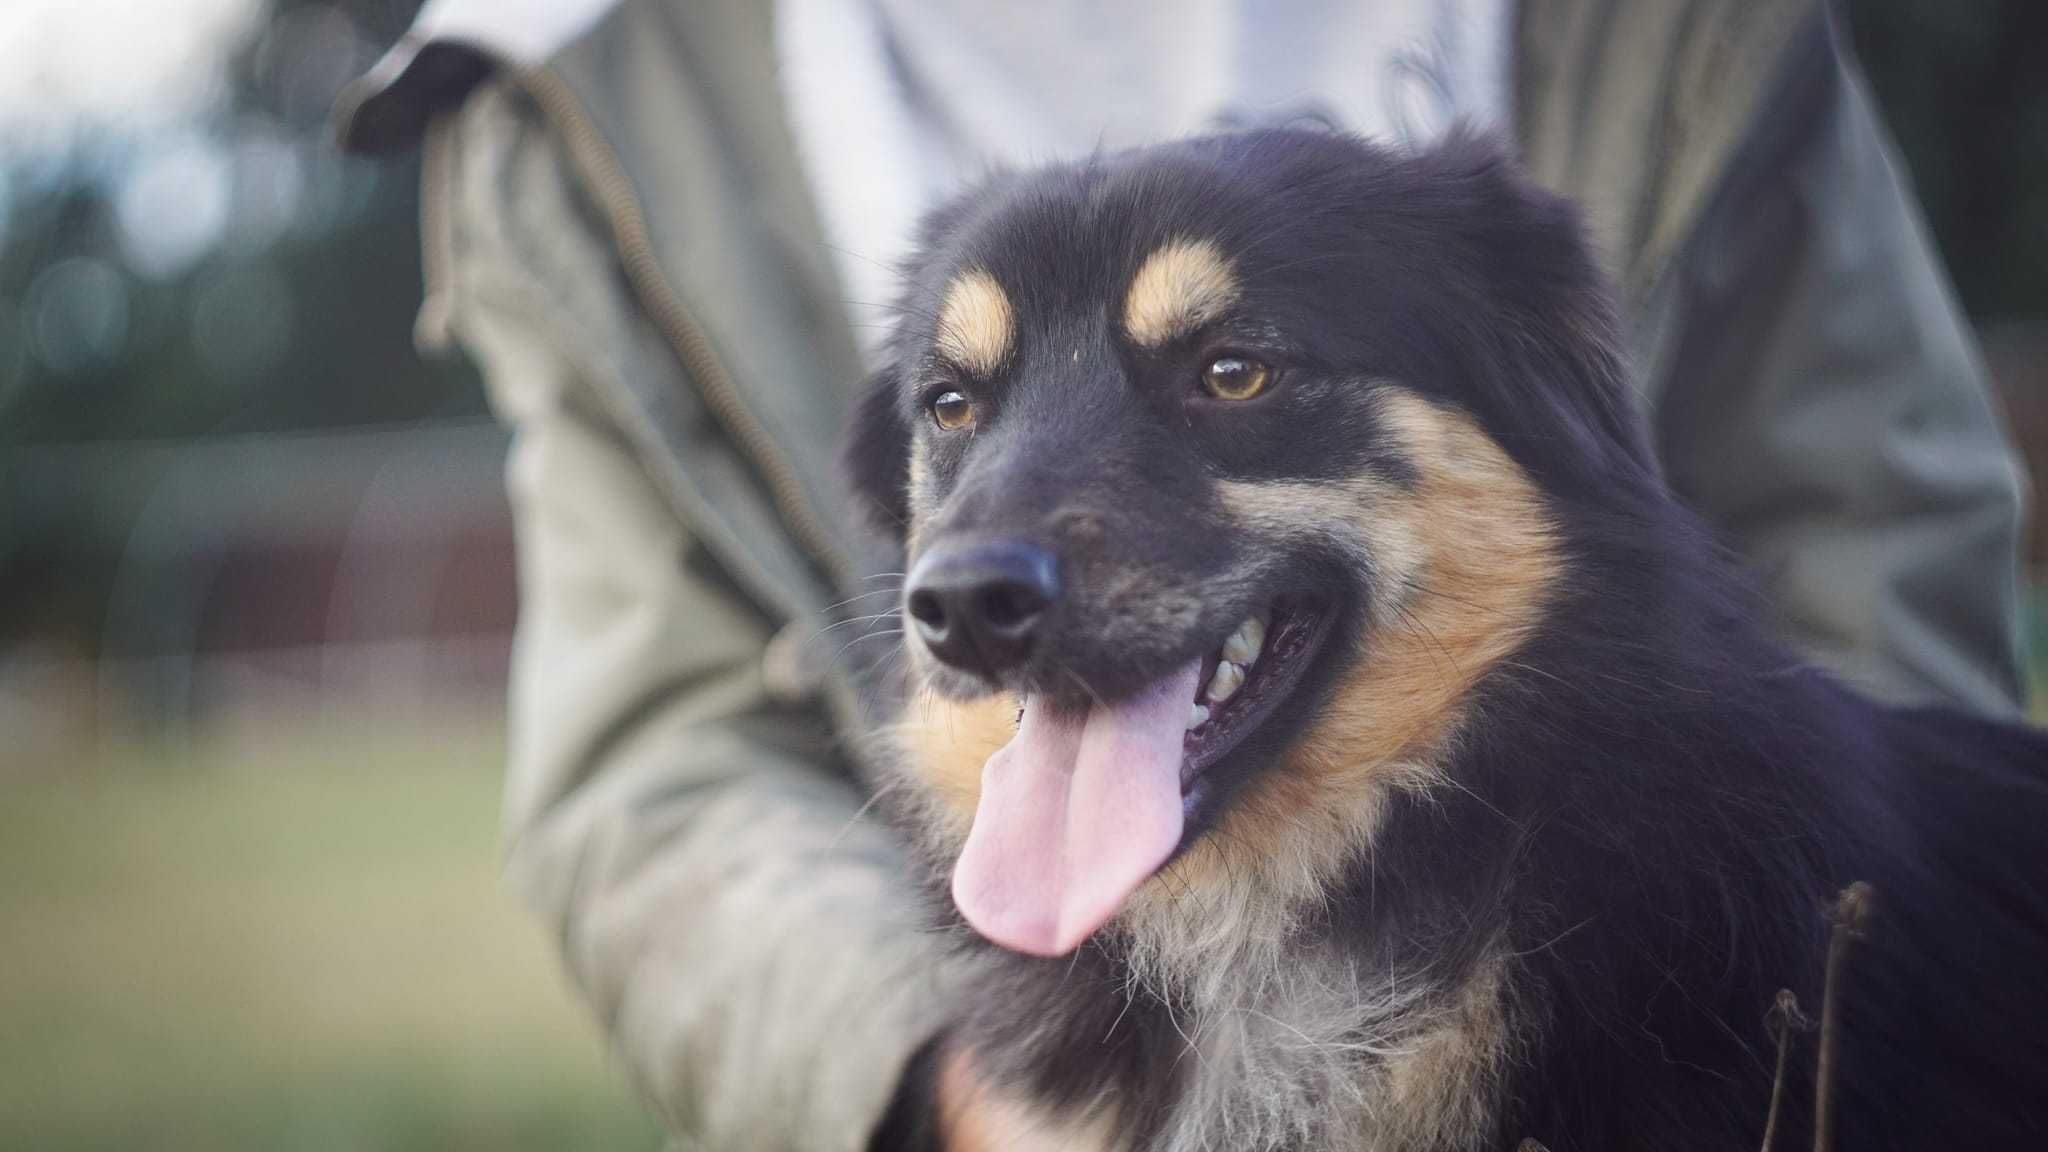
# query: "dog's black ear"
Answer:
x=1544 y=283
x=875 y=456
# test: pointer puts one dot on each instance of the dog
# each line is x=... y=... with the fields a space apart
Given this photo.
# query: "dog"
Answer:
x=1331 y=732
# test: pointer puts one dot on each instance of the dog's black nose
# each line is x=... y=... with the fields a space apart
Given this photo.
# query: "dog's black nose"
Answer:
x=978 y=606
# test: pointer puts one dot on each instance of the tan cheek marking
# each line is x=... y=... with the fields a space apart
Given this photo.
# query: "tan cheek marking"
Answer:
x=945 y=742
x=1182 y=285
x=1470 y=557
x=976 y=325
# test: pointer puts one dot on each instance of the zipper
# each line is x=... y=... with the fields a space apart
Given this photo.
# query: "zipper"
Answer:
x=616 y=198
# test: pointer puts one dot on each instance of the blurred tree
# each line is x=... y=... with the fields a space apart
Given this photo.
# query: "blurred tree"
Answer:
x=236 y=276
x=1963 y=89
x=167 y=278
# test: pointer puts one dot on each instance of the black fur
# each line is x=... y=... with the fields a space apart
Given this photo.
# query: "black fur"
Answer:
x=1656 y=803
x=876 y=458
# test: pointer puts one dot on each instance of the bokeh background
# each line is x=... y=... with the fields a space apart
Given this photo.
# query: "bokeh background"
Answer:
x=256 y=584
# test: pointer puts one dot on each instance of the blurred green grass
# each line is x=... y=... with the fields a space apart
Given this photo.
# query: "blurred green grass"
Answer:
x=284 y=944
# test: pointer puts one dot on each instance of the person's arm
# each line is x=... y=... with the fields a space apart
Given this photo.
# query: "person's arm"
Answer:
x=748 y=940
x=1817 y=395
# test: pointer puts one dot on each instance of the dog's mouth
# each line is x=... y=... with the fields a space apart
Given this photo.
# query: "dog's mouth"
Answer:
x=1084 y=804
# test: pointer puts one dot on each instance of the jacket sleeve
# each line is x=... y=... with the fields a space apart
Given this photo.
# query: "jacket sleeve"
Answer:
x=1817 y=395
x=749 y=942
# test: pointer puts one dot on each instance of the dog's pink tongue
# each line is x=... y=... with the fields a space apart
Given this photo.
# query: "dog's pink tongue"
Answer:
x=1077 y=811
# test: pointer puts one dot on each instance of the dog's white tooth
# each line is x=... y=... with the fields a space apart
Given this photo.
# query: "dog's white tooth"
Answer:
x=1237 y=649
x=1197 y=716
x=1225 y=683
x=1244 y=644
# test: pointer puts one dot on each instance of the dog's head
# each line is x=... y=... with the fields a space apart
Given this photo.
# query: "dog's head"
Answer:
x=1225 y=473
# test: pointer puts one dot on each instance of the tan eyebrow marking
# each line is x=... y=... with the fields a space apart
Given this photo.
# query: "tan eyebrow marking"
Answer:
x=1182 y=285
x=976 y=326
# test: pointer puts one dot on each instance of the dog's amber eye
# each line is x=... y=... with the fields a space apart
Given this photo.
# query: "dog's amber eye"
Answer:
x=952 y=411
x=1235 y=378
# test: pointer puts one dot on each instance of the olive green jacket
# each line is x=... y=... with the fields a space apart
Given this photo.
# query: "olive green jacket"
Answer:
x=621 y=236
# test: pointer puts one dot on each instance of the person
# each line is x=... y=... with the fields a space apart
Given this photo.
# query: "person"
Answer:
x=663 y=227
